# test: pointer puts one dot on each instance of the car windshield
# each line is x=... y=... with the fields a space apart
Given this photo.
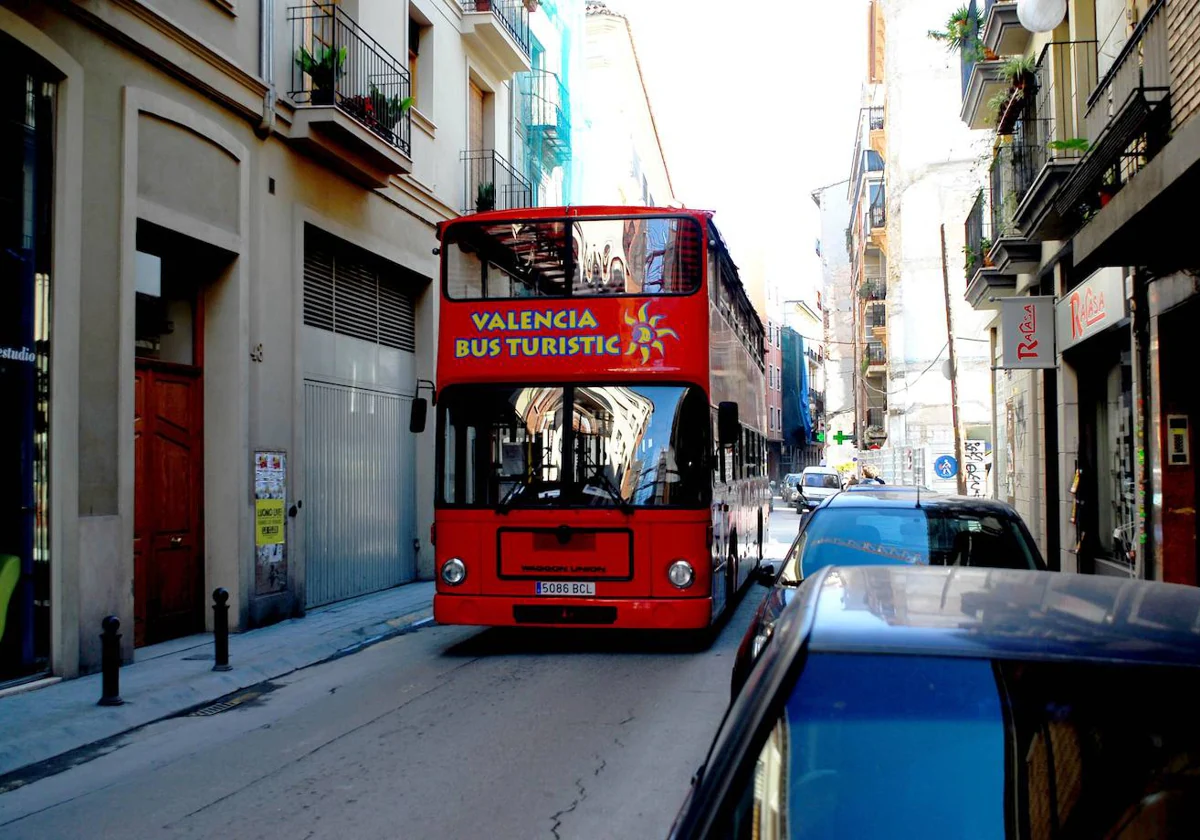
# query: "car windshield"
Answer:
x=935 y=536
x=825 y=480
x=629 y=445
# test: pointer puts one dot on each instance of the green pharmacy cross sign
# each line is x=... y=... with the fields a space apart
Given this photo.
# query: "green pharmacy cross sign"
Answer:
x=841 y=437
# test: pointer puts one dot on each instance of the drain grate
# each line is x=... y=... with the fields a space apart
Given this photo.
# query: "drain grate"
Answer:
x=215 y=709
x=232 y=702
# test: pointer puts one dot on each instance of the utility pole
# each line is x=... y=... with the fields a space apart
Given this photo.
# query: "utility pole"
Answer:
x=958 y=449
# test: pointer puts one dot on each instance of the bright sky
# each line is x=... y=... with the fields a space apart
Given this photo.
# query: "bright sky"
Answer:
x=756 y=105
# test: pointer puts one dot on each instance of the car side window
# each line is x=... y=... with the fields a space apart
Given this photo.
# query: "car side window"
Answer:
x=792 y=574
x=839 y=735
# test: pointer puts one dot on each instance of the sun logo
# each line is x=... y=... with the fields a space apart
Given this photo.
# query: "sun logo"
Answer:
x=646 y=335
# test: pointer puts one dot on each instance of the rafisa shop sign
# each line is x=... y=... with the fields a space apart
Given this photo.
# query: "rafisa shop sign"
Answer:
x=1091 y=307
x=1027 y=332
x=542 y=333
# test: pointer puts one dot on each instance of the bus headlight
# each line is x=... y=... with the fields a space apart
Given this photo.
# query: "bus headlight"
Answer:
x=454 y=571
x=681 y=574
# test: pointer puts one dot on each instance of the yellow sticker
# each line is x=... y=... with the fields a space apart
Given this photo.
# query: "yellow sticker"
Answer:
x=268 y=521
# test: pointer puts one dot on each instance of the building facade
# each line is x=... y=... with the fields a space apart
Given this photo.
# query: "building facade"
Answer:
x=839 y=314
x=221 y=299
x=774 y=354
x=617 y=134
x=1081 y=222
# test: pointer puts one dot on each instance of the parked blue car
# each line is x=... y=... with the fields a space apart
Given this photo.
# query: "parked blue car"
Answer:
x=922 y=702
x=887 y=525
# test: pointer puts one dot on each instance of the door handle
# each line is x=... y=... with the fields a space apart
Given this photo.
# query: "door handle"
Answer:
x=176 y=540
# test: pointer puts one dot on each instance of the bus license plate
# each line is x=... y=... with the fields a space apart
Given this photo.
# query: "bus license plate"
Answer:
x=566 y=587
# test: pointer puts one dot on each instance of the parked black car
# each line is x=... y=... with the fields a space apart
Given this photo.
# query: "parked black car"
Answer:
x=910 y=701
x=888 y=525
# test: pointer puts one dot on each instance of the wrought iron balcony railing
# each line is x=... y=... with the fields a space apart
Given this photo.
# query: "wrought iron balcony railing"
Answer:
x=875 y=118
x=1003 y=188
x=876 y=314
x=1128 y=114
x=875 y=354
x=1052 y=113
x=877 y=214
x=335 y=62
x=511 y=13
x=546 y=109
x=491 y=183
x=978 y=236
x=873 y=288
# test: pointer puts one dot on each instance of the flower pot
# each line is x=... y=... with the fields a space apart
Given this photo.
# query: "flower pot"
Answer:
x=321 y=96
x=1107 y=191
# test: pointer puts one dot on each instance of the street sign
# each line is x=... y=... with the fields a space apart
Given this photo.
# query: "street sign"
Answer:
x=945 y=466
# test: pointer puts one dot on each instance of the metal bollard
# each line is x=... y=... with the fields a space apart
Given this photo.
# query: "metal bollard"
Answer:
x=221 y=629
x=110 y=662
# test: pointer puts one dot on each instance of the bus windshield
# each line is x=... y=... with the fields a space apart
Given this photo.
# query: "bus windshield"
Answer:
x=626 y=445
x=638 y=255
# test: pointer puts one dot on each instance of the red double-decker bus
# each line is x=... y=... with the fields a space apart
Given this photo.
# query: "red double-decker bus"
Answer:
x=600 y=417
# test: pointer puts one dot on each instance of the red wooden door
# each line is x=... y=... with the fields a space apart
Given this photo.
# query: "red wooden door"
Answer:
x=168 y=574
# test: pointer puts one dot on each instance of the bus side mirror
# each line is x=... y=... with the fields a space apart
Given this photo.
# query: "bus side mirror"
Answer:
x=728 y=426
x=416 y=420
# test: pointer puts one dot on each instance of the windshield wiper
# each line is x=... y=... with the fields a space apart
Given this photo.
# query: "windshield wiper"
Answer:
x=613 y=490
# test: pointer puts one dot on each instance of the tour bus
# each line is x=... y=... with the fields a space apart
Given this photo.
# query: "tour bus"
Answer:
x=601 y=458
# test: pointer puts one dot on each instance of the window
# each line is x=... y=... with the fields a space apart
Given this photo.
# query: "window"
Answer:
x=594 y=257
x=839 y=735
x=1056 y=753
x=642 y=445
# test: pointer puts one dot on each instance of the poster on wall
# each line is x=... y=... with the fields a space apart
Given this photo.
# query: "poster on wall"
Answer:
x=270 y=522
x=977 y=466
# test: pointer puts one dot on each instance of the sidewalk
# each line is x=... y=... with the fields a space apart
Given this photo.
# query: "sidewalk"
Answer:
x=177 y=676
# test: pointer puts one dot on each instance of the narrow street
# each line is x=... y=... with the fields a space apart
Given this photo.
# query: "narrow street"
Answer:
x=446 y=732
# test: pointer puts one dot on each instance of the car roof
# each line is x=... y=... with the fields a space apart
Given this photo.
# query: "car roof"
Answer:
x=907 y=496
x=1003 y=614
x=819 y=470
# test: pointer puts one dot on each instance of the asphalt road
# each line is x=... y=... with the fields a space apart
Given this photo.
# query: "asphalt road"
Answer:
x=447 y=732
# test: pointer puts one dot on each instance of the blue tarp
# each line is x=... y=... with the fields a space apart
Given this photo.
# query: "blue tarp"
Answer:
x=797 y=418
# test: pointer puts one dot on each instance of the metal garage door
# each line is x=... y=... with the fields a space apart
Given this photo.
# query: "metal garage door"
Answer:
x=359 y=512
x=359 y=465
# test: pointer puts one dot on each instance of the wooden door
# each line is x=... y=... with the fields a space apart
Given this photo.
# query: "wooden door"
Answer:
x=168 y=574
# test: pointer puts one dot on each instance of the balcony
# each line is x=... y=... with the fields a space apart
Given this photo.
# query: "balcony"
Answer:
x=491 y=183
x=1127 y=124
x=498 y=30
x=986 y=80
x=874 y=359
x=1002 y=30
x=1045 y=145
x=546 y=111
x=352 y=97
x=875 y=319
x=873 y=288
x=1011 y=253
x=984 y=281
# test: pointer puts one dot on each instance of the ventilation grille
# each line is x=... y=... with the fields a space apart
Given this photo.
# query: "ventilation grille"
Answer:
x=348 y=292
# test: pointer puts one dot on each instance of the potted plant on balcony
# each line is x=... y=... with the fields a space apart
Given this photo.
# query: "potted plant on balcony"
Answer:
x=1108 y=187
x=323 y=70
x=962 y=33
x=485 y=197
x=1019 y=71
